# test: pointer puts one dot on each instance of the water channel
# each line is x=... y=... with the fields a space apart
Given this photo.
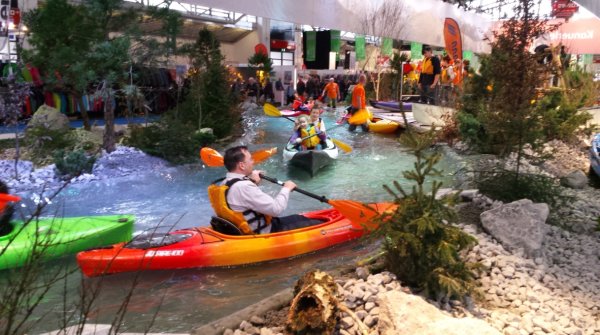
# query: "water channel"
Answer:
x=176 y=198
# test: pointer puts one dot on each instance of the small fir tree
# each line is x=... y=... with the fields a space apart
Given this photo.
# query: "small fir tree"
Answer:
x=421 y=247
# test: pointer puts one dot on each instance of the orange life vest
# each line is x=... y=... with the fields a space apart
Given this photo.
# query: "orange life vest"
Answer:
x=217 y=194
x=427 y=67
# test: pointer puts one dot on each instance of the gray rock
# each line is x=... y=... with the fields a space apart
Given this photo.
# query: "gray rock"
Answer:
x=520 y=224
x=362 y=272
x=49 y=118
x=576 y=179
x=404 y=314
x=257 y=320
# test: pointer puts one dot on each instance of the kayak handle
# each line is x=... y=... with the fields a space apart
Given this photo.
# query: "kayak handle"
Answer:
x=321 y=198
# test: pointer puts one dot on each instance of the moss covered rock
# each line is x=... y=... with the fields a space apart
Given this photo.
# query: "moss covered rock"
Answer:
x=49 y=118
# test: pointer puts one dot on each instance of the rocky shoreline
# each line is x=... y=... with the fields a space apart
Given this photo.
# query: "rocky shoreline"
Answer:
x=553 y=291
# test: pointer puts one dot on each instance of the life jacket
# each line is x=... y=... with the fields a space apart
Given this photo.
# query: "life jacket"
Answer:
x=310 y=143
x=445 y=77
x=217 y=194
x=317 y=124
x=427 y=66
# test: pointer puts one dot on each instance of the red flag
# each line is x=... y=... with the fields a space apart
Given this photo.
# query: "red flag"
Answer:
x=452 y=38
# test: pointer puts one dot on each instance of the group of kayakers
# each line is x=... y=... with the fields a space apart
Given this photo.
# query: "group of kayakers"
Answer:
x=309 y=130
x=238 y=199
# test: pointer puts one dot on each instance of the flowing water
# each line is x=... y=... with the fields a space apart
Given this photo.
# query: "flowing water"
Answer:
x=176 y=198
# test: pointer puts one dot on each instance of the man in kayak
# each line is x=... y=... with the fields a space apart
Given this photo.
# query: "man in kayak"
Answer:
x=239 y=200
x=359 y=101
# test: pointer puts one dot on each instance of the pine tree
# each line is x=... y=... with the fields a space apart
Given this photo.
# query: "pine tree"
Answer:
x=421 y=246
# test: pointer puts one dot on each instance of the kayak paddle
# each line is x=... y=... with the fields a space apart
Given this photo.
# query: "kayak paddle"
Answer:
x=213 y=158
x=345 y=147
x=354 y=211
x=271 y=110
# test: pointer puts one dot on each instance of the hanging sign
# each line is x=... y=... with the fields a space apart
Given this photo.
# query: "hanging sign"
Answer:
x=311 y=46
x=335 y=43
x=564 y=9
x=360 y=47
x=468 y=55
x=386 y=46
x=416 y=50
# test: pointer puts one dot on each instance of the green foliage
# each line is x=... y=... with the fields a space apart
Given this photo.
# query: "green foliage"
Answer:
x=170 y=139
x=71 y=164
x=208 y=103
x=261 y=62
x=560 y=117
x=421 y=247
x=509 y=186
x=500 y=98
x=42 y=142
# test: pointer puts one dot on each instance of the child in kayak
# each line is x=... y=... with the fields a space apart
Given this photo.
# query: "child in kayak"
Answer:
x=300 y=104
x=301 y=138
x=317 y=122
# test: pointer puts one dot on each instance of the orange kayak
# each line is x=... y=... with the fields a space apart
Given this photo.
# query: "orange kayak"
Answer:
x=205 y=247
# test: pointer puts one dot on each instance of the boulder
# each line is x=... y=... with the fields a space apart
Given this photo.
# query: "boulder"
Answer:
x=519 y=224
x=576 y=179
x=406 y=314
x=49 y=118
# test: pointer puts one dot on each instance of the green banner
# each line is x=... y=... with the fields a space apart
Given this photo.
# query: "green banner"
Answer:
x=416 y=50
x=588 y=59
x=360 y=47
x=311 y=46
x=386 y=46
x=468 y=55
x=335 y=43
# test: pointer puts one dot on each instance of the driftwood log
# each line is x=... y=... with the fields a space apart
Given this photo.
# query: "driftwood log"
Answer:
x=316 y=306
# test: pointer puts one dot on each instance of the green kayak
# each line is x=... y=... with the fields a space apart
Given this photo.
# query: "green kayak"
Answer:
x=53 y=237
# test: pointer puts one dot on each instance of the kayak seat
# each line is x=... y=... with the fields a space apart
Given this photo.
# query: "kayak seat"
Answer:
x=224 y=227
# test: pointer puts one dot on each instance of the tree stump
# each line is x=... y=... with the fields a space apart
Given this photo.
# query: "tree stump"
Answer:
x=316 y=305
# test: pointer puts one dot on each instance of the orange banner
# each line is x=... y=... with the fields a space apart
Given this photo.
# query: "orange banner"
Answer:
x=452 y=39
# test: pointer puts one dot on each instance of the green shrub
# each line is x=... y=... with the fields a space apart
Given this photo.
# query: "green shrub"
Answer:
x=170 y=139
x=73 y=163
x=42 y=142
x=420 y=245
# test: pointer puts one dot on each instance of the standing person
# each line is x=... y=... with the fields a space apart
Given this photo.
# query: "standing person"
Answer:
x=239 y=199
x=333 y=92
x=279 y=89
x=252 y=90
x=430 y=76
x=301 y=88
x=447 y=80
x=268 y=91
x=236 y=90
x=290 y=94
x=359 y=101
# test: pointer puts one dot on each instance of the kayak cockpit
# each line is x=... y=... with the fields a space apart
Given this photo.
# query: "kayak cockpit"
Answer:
x=223 y=226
